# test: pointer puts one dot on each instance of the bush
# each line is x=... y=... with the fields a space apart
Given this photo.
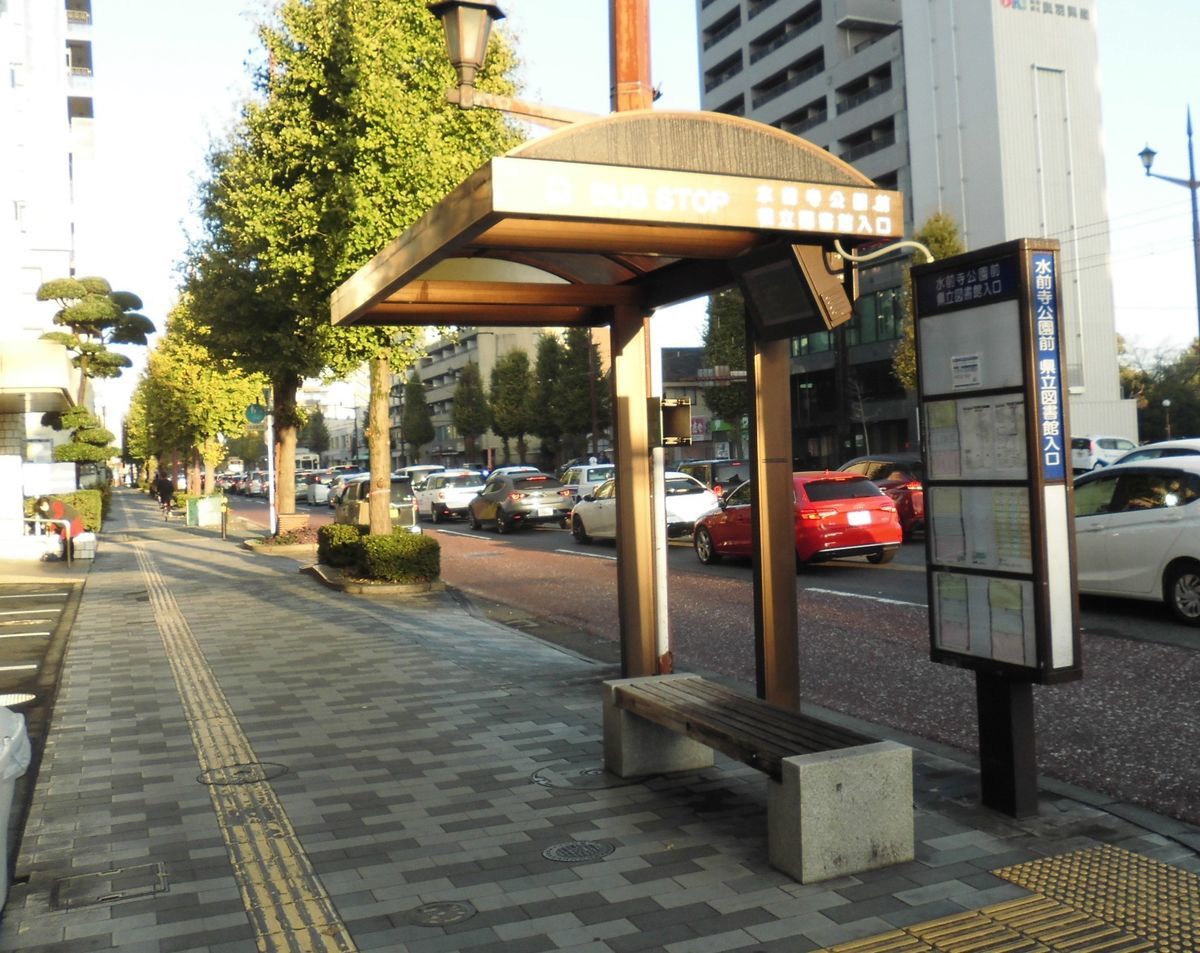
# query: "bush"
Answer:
x=89 y=504
x=338 y=545
x=401 y=557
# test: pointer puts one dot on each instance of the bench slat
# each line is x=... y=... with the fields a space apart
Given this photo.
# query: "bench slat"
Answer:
x=747 y=729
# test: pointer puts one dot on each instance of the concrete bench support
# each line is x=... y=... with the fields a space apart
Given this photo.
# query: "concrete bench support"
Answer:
x=841 y=812
x=634 y=746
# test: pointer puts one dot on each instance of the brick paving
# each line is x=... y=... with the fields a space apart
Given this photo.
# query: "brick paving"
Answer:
x=425 y=755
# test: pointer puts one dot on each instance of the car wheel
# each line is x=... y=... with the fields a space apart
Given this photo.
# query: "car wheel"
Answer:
x=501 y=523
x=578 y=531
x=883 y=556
x=434 y=515
x=1181 y=590
x=706 y=552
x=475 y=524
x=564 y=522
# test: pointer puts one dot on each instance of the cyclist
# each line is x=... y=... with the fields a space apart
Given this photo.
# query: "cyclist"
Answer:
x=164 y=489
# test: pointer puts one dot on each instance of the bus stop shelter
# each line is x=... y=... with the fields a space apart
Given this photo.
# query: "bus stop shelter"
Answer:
x=599 y=224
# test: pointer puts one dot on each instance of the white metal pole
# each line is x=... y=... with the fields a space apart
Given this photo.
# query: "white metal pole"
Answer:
x=271 y=521
x=662 y=615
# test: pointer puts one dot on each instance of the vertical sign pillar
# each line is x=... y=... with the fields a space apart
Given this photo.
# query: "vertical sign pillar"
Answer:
x=776 y=635
x=998 y=498
x=629 y=54
x=636 y=604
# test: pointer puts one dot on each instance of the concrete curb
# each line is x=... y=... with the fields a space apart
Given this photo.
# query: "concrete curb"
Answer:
x=334 y=579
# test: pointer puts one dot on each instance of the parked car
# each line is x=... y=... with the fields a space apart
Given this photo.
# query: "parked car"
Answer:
x=720 y=476
x=337 y=484
x=447 y=493
x=584 y=478
x=1137 y=533
x=1184 y=447
x=899 y=475
x=687 y=499
x=353 y=505
x=512 y=500
x=836 y=515
x=419 y=472
x=258 y=484
x=1088 y=453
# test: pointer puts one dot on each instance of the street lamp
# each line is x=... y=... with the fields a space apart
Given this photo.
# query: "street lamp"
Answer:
x=1147 y=156
x=467 y=25
x=1167 y=411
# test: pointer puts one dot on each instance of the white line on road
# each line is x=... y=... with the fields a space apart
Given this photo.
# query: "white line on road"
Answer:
x=38 y=595
x=571 y=552
x=25 y=635
x=453 y=532
x=855 y=595
x=32 y=612
x=18 y=668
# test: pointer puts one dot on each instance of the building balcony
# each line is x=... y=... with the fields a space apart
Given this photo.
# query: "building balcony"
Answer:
x=774 y=92
x=866 y=148
x=849 y=102
x=36 y=377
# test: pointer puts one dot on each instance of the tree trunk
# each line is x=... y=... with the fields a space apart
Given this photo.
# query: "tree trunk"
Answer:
x=379 y=446
x=285 y=446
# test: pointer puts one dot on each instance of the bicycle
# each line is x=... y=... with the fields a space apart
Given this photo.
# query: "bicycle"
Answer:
x=165 y=506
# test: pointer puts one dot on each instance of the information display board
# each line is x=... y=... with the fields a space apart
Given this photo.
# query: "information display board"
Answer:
x=999 y=525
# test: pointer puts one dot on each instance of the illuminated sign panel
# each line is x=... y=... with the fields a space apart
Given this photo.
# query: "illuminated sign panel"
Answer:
x=999 y=534
x=657 y=196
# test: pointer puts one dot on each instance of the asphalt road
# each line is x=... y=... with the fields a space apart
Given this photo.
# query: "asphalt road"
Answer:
x=1130 y=728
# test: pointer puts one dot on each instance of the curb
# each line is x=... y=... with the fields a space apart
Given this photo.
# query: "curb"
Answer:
x=334 y=579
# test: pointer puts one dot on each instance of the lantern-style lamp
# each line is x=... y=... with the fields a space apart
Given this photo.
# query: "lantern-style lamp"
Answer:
x=467 y=24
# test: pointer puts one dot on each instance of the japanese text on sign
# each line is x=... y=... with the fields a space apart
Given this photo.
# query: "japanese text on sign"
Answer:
x=1049 y=377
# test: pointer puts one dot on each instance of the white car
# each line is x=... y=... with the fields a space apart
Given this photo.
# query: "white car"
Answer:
x=1162 y=448
x=585 y=477
x=1090 y=453
x=595 y=516
x=1137 y=533
x=448 y=493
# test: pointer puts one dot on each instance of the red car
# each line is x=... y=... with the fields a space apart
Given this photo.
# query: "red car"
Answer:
x=899 y=476
x=837 y=515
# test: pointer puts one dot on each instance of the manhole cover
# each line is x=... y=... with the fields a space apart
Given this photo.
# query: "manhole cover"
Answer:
x=15 y=699
x=586 y=779
x=441 y=914
x=108 y=886
x=242 y=773
x=578 y=851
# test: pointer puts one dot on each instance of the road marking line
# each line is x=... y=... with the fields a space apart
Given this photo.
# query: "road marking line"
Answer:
x=285 y=901
x=454 y=532
x=37 y=595
x=32 y=612
x=571 y=552
x=855 y=595
x=18 y=668
x=23 y=635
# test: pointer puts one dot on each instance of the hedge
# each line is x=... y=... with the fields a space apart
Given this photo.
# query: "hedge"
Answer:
x=338 y=545
x=88 y=503
x=401 y=557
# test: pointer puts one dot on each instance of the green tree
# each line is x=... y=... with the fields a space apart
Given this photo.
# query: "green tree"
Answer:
x=725 y=347
x=941 y=236
x=314 y=433
x=511 y=397
x=471 y=414
x=1151 y=378
x=90 y=442
x=349 y=141
x=415 y=420
x=582 y=402
x=95 y=317
x=547 y=392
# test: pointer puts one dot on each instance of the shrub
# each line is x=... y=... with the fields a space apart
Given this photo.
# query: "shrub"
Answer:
x=401 y=557
x=338 y=545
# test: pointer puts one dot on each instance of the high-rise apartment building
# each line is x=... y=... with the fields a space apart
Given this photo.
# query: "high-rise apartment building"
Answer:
x=46 y=115
x=987 y=111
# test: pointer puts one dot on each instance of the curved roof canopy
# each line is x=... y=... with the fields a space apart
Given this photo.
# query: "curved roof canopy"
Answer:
x=638 y=207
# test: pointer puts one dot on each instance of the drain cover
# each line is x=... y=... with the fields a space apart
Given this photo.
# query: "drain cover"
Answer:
x=586 y=779
x=441 y=914
x=108 y=886
x=242 y=773
x=578 y=851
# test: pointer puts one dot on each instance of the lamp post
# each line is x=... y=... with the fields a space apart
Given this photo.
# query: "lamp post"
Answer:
x=1167 y=410
x=1147 y=156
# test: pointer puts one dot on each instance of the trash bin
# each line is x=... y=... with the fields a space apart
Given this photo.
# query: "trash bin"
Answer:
x=204 y=511
x=14 y=759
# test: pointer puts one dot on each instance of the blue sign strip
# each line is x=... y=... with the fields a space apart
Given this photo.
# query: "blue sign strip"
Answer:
x=1052 y=437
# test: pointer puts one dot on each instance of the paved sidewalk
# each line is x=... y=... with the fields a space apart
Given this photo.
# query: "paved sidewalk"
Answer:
x=242 y=759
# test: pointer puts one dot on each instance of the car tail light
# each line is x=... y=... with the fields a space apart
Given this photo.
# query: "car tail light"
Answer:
x=817 y=514
x=717 y=489
x=565 y=493
x=888 y=507
x=516 y=496
x=915 y=485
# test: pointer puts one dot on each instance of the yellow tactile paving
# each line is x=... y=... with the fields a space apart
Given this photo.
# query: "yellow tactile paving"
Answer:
x=284 y=899
x=1099 y=900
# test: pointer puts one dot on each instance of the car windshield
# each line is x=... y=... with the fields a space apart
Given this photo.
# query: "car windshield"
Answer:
x=466 y=479
x=820 y=491
x=682 y=486
x=540 y=482
x=402 y=491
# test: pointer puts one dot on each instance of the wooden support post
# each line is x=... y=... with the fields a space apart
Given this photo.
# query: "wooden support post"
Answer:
x=629 y=54
x=776 y=635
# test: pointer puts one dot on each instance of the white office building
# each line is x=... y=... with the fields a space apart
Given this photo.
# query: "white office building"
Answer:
x=988 y=111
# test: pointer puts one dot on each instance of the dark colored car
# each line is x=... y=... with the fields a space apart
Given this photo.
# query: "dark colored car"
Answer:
x=836 y=515
x=512 y=500
x=720 y=476
x=899 y=475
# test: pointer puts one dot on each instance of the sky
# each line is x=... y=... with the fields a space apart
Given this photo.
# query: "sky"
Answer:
x=170 y=76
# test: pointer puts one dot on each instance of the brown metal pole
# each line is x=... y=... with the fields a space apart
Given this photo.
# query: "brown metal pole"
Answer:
x=635 y=538
x=629 y=54
x=776 y=633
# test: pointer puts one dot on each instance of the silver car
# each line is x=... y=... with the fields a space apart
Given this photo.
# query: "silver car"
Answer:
x=687 y=499
x=513 y=500
x=447 y=493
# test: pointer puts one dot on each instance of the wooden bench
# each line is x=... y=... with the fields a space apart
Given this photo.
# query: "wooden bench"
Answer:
x=838 y=802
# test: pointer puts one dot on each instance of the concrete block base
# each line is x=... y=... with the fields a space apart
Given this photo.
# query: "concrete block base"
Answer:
x=634 y=746
x=841 y=812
